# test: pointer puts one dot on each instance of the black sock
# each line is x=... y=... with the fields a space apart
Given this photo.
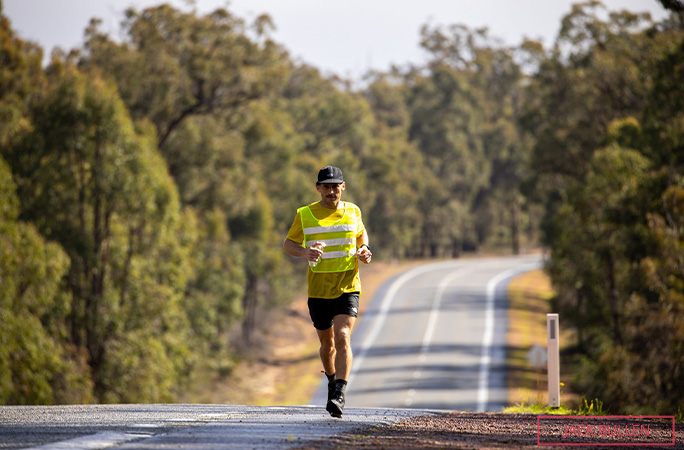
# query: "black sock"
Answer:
x=341 y=385
x=331 y=378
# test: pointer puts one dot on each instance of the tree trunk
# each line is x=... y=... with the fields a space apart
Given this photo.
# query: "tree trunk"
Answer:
x=614 y=300
x=249 y=303
x=515 y=226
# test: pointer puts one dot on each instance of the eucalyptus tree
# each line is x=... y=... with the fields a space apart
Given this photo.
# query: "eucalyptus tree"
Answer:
x=21 y=76
x=606 y=113
x=89 y=181
x=200 y=81
x=396 y=170
x=595 y=80
x=175 y=65
x=37 y=366
x=464 y=107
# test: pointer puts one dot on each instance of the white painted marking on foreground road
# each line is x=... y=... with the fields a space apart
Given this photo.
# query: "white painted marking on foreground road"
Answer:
x=94 y=441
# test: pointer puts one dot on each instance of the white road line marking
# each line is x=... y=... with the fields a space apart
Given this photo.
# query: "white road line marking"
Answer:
x=432 y=325
x=94 y=441
x=182 y=420
x=487 y=338
x=488 y=335
x=382 y=314
x=217 y=416
x=409 y=397
x=434 y=313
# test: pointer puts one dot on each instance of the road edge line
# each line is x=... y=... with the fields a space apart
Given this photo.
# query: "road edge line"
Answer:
x=488 y=335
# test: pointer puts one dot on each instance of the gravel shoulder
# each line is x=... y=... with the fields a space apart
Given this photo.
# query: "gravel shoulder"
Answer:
x=468 y=430
x=289 y=372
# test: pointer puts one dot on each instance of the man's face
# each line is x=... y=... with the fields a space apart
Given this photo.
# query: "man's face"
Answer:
x=331 y=193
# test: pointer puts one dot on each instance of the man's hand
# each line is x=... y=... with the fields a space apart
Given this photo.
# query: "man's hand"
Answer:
x=314 y=252
x=311 y=254
x=365 y=255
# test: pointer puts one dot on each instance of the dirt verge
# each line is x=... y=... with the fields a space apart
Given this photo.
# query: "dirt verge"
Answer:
x=465 y=430
x=284 y=369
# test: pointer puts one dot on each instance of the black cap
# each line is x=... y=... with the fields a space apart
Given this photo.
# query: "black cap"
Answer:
x=330 y=174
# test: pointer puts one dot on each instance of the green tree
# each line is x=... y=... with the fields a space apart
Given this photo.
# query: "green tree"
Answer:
x=20 y=76
x=606 y=112
x=590 y=260
x=648 y=363
x=36 y=366
x=396 y=171
x=200 y=80
x=593 y=76
x=464 y=110
x=88 y=181
x=177 y=65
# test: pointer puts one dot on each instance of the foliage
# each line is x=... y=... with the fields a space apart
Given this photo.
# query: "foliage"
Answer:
x=538 y=406
x=607 y=117
x=147 y=183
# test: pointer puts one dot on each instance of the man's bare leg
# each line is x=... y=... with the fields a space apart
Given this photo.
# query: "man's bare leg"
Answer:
x=336 y=356
x=327 y=350
x=335 y=350
x=342 y=326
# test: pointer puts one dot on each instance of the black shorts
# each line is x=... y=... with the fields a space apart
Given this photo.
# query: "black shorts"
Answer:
x=322 y=310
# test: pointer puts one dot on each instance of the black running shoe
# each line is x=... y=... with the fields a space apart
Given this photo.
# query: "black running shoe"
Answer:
x=336 y=403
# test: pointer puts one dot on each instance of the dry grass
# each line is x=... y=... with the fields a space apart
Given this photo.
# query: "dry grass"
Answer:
x=284 y=369
x=529 y=296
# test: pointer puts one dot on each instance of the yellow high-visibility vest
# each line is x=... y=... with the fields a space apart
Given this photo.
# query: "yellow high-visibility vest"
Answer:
x=339 y=237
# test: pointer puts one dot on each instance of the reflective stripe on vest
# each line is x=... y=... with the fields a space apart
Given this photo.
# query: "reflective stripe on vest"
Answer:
x=339 y=253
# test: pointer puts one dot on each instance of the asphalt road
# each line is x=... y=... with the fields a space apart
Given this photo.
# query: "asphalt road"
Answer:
x=185 y=427
x=434 y=337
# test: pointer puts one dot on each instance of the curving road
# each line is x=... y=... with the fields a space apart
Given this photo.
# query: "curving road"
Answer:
x=434 y=337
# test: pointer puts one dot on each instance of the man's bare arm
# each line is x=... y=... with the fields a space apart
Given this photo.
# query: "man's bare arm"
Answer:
x=363 y=239
x=365 y=253
x=293 y=249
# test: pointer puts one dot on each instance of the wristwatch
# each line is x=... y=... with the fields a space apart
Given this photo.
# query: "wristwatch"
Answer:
x=365 y=245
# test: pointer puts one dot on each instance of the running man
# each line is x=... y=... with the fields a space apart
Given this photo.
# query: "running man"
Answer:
x=330 y=234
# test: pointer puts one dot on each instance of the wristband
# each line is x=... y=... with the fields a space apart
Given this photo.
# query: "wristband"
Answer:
x=365 y=245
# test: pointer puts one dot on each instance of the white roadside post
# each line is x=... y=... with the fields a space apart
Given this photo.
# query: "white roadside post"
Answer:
x=553 y=360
